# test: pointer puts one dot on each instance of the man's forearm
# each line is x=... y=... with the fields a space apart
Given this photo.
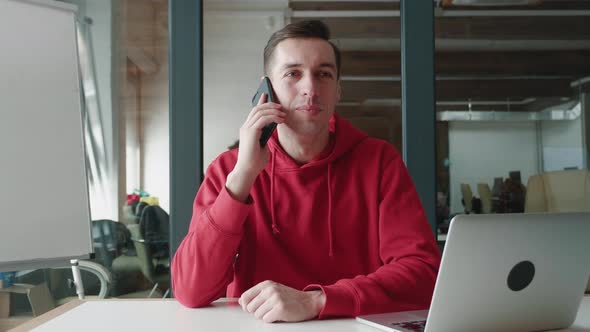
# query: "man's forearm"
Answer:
x=238 y=184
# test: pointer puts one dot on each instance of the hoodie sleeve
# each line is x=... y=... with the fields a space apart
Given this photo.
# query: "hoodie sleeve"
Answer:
x=203 y=263
x=408 y=251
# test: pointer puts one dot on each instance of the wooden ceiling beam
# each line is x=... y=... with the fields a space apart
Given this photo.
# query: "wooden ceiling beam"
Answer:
x=369 y=111
x=347 y=5
x=545 y=5
x=507 y=27
x=510 y=89
x=394 y=5
x=395 y=111
x=493 y=28
x=502 y=89
x=572 y=63
x=357 y=91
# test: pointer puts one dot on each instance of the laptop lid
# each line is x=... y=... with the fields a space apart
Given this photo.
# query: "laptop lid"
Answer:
x=511 y=272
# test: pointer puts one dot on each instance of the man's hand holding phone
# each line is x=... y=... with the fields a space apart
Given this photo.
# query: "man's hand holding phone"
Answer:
x=252 y=157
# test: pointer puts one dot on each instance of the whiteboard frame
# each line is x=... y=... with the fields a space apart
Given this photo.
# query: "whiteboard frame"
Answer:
x=36 y=263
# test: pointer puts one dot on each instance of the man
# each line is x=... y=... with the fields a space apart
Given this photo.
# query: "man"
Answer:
x=322 y=222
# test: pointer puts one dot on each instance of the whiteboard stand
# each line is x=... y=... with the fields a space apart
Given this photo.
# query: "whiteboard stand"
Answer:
x=77 y=279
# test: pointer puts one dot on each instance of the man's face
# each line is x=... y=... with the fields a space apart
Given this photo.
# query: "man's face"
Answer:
x=304 y=77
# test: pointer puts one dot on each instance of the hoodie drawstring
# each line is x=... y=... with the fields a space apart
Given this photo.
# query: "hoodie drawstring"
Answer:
x=275 y=227
x=331 y=251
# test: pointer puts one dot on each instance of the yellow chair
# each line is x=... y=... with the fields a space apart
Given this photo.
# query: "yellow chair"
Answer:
x=467 y=197
x=559 y=191
x=485 y=194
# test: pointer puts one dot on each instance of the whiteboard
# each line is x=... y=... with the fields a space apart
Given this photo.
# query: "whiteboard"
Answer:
x=44 y=210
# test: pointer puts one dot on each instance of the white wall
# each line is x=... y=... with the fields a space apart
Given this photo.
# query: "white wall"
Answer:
x=156 y=147
x=100 y=11
x=233 y=45
x=481 y=151
x=562 y=144
x=156 y=129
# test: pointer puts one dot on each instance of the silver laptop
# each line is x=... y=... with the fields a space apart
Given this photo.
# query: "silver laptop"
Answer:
x=504 y=272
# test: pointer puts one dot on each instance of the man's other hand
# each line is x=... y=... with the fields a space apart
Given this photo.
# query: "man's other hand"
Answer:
x=273 y=302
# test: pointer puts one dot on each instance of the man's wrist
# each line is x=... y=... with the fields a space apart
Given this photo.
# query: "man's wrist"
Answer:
x=318 y=301
x=238 y=184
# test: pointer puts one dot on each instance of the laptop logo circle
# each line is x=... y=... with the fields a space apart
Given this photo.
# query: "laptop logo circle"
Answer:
x=521 y=276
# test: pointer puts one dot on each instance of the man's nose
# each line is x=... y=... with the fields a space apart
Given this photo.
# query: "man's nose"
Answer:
x=309 y=86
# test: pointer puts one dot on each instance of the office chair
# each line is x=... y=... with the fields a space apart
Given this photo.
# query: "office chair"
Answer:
x=559 y=191
x=150 y=257
x=109 y=240
x=154 y=269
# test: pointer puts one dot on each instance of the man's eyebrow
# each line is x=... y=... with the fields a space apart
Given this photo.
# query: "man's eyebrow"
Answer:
x=290 y=65
x=328 y=64
x=294 y=65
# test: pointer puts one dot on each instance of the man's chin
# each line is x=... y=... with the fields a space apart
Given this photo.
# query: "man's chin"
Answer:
x=305 y=128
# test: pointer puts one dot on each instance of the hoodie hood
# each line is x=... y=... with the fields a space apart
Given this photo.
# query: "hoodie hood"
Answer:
x=343 y=138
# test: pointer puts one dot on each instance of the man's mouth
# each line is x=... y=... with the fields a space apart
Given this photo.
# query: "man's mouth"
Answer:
x=309 y=108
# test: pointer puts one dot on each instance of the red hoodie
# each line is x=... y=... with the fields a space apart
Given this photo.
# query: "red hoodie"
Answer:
x=349 y=223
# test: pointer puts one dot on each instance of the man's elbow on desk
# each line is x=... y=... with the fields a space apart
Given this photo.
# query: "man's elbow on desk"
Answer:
x=189 y=294
x=188 y=299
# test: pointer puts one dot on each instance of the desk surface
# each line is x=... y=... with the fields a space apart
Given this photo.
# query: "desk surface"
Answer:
x=169 y=315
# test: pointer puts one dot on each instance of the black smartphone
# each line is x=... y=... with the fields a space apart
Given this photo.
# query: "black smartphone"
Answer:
x=265 y=87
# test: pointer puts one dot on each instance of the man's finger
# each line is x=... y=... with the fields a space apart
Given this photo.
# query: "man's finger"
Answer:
x=251 y=293
x=263 y=309
x=261 y=300
x=261 y=101
x=262 y=119
x=273 y=315
x=261 y=107
x=263 y=98
x=268 y=110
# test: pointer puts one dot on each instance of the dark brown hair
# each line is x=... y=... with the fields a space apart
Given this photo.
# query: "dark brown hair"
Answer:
x=302 y=29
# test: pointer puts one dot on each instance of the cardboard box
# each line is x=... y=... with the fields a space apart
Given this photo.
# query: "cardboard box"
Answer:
x=4 y=305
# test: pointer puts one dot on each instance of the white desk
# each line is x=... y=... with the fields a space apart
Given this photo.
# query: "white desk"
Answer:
x=169 y=315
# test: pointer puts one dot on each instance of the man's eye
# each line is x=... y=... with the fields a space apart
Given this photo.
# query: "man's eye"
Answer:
x=326 y=74
x=291 y=74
